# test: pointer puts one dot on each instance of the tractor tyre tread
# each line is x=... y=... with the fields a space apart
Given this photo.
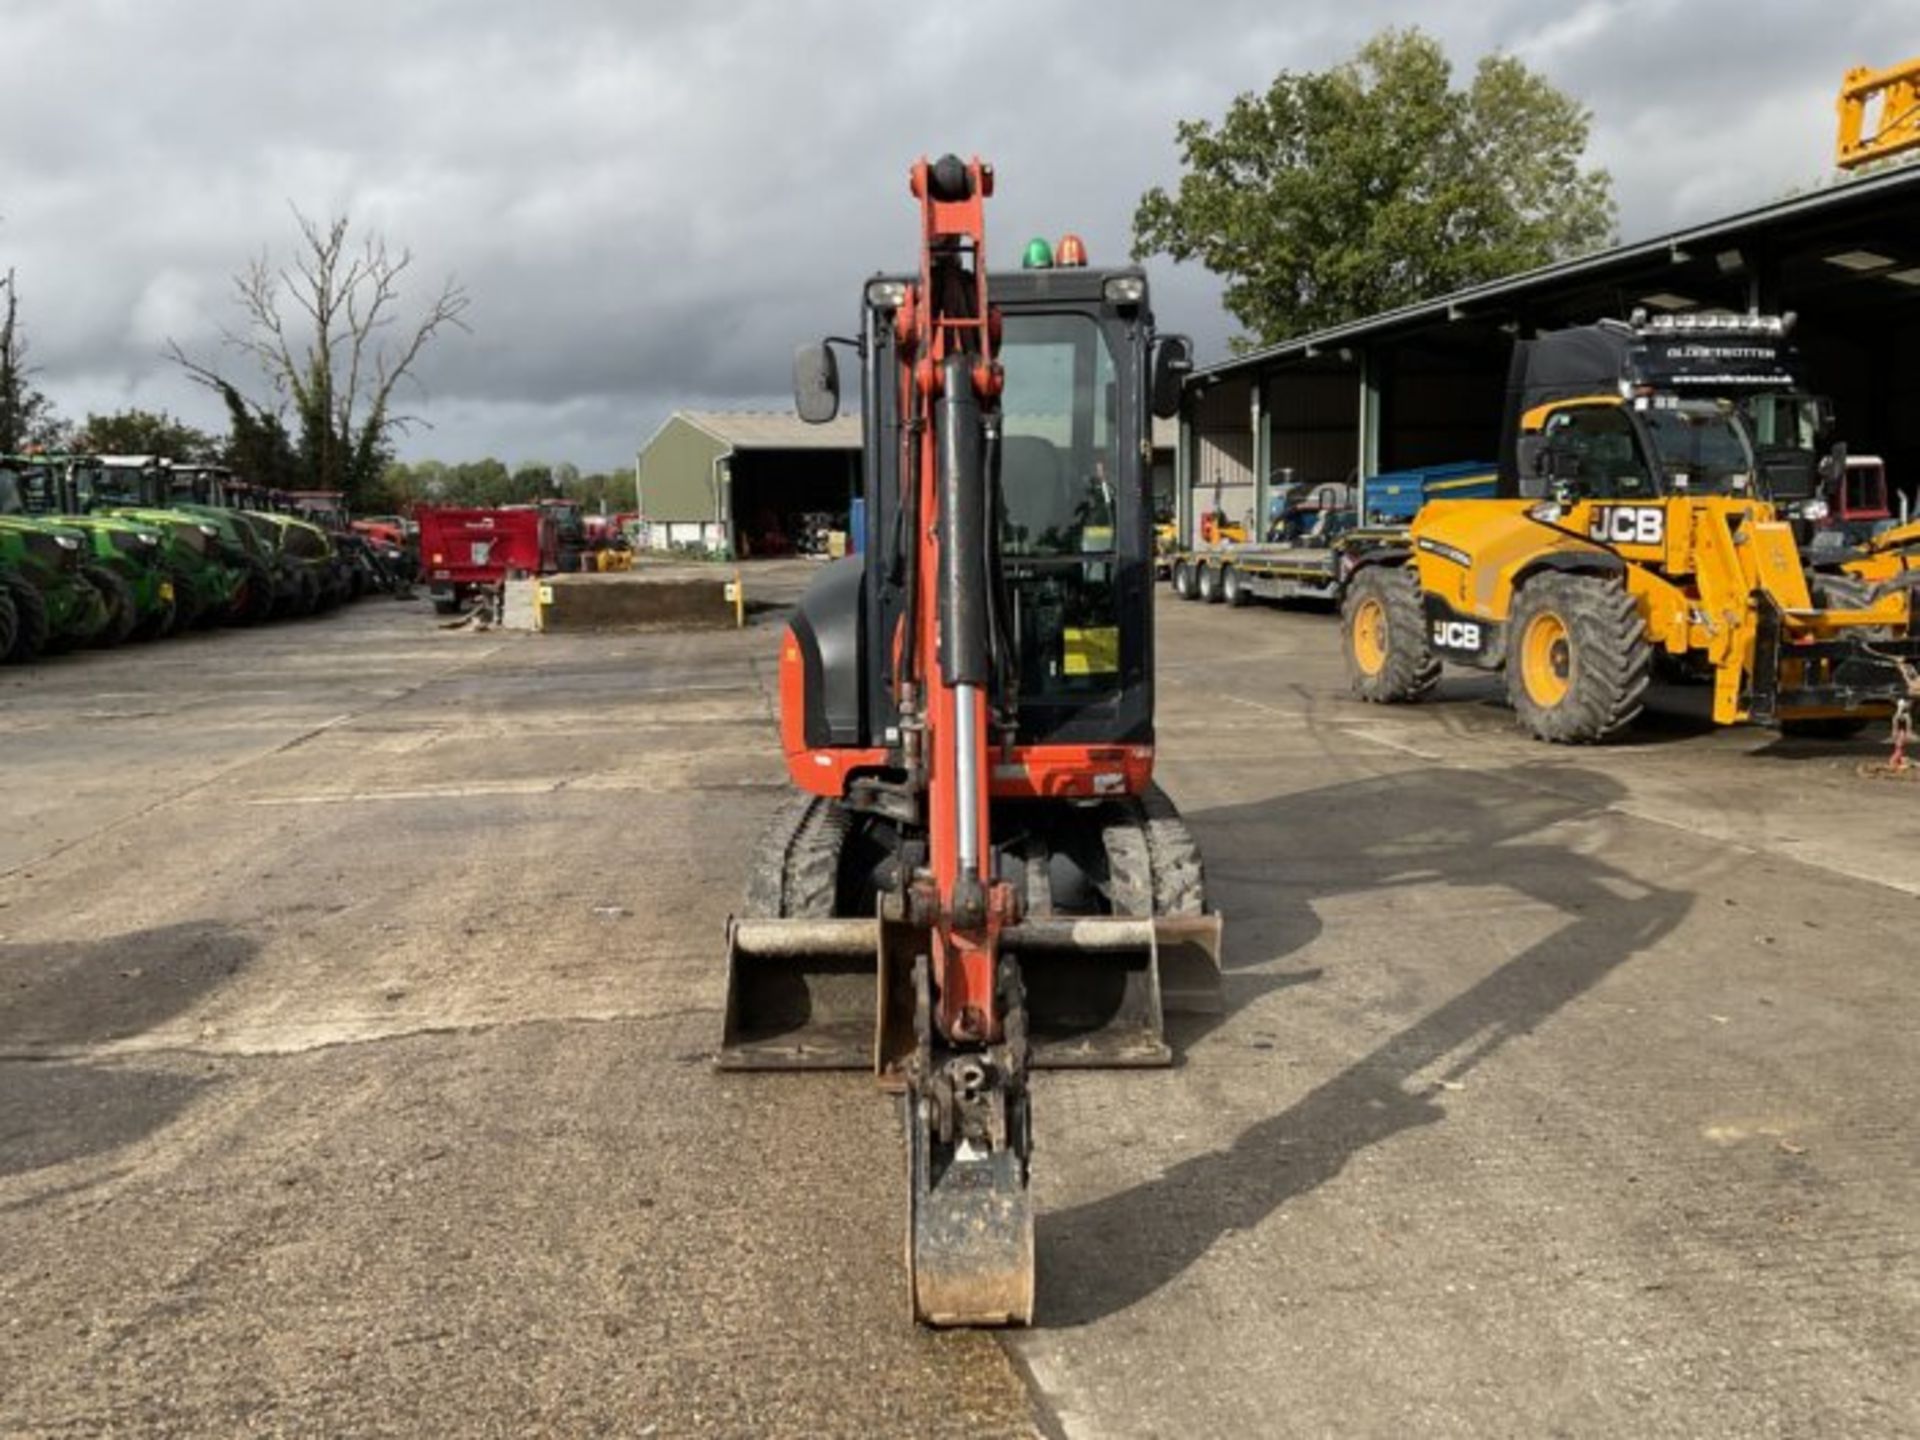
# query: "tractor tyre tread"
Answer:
x=32 y=629
x=1411 y=669
x=117 y=596
x=256 y=599
x=9 y=623
x=1612 y=663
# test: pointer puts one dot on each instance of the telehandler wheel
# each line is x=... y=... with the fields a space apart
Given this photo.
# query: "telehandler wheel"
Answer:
x=32 y=629
x=1233 y=587
x=1183 y=581
x=1383 y=630
x=1208 y=583
x=1578 y=658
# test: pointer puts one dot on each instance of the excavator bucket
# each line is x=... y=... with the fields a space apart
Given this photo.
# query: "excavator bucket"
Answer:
x=838 y=995
x=969 y=1232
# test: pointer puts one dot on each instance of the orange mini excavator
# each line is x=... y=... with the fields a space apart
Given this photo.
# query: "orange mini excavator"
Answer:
x=977 y=875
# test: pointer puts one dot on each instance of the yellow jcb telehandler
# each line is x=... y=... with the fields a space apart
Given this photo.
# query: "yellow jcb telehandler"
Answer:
x=1632 y=528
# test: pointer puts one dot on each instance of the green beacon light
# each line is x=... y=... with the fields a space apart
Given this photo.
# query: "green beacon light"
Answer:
x=1039 y=255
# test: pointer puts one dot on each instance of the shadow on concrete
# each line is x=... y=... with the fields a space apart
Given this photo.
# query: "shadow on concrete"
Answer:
x=1272 y=861
x=78 y=993
x=59 y=998
x=52 y=1112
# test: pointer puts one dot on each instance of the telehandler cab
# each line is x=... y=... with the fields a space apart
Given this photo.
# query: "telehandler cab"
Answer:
x=977 y=875
x=1633 y=527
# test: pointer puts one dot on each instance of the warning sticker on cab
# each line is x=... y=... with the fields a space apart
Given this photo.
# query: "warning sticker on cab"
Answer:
x=1093 y=651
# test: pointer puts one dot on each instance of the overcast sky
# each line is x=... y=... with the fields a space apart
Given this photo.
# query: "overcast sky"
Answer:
x=650 y=203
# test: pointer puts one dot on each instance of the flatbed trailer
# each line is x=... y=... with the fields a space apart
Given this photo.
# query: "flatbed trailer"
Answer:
x=1315 y=546
x=1241 y=574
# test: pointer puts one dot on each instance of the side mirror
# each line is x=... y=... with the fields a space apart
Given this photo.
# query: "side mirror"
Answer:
x=816 y=383
x=1172 y=363
x=1536 y=461
x=1833 y=464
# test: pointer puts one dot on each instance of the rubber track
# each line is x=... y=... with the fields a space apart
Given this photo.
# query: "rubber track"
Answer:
x=1129 y=861
x=1179 y=877
x=795 y=869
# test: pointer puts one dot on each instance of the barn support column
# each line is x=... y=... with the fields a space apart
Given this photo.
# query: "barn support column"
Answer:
x=1367 y=459
x=1261 y=420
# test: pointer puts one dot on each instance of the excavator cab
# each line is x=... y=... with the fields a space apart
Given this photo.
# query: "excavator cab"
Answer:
x=976 y=874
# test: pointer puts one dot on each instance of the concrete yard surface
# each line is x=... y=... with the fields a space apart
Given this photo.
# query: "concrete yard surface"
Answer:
x=359 y=979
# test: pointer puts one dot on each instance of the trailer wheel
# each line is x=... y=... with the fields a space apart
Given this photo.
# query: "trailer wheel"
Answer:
x=1183 y=585
x=1208 y=583
x=1233 y=587
x=1383 y=630
x=1579 y=661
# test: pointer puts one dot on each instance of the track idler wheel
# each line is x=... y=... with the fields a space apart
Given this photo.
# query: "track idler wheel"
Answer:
x=969 y=1202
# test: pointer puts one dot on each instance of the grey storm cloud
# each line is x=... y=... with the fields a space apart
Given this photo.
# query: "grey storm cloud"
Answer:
x=651 y=203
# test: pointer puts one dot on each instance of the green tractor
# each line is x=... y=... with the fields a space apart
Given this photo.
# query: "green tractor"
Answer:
x=305 y=574
x=230 y=578
x=127 y=562
x=52 y=603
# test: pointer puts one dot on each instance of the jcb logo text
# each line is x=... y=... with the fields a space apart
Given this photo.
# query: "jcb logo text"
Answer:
x=1456 y=635
x=1628 y=524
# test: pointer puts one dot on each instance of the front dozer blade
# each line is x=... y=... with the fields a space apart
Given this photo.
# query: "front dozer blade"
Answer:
x=969 y=1231
x=837 y=994
x=1097 y=990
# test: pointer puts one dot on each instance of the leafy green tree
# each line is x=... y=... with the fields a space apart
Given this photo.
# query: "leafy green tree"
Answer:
x=258 y=445
x=146 y=432
x=533 y=482
x=326 y=331
x=1345 y=192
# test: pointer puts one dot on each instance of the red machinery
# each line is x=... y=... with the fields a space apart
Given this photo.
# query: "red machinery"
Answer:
x=978 y=876
x=464 y=550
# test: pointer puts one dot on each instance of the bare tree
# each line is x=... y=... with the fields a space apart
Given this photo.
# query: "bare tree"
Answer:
x=27 y=418
x=328 y=335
